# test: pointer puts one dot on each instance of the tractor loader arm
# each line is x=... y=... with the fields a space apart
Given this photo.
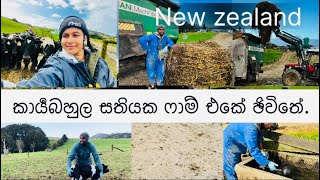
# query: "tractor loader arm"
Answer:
x=293 y=40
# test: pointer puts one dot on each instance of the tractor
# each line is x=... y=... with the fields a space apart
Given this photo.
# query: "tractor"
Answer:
x=294 y=73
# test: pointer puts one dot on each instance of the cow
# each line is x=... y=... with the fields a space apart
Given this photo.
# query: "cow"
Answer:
x=94 y=173
x=26 y=49
x=47 y=48
x=16 y=52
x=6 y=51
x=3 y=47
x=30 y=52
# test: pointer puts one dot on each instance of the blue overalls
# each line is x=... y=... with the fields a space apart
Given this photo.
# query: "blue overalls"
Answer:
x=155 y=66
x=238 y=137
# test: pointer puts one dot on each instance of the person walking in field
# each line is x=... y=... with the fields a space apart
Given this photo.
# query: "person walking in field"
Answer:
x=76 y=64
x=157 y=46
x=81 y=152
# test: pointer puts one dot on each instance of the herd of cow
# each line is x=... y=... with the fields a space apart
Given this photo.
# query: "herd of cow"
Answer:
x=20 y=50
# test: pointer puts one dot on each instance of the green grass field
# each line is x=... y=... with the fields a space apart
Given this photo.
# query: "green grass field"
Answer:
x=45 y=32
x=310 y=135
x=271 y=55
x=10 y=26
x=100 y=41
x=52 y=165
x=196 y=36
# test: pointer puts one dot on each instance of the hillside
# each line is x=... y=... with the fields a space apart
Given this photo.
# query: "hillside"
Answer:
x=10 y=26
x=113 y=135
x=279 y=42
x=48 y=165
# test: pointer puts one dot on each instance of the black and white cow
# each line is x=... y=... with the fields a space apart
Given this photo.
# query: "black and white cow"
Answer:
x=3 y=50
x=26 y=49
x=30 y=52
x=6 y=51
x=94 y=173
x=16 y=52
x=47 y=48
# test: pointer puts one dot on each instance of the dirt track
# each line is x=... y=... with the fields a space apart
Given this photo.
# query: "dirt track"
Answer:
x=223 y=39
x=177 y=151
x=272 y=74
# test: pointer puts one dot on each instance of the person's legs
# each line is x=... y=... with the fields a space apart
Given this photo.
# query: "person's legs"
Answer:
x=231 y=156
x=150 y=66
x=160 y=72
x=230 y=160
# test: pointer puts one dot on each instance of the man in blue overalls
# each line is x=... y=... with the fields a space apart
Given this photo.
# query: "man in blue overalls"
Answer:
x=238 y=137
x=157 y=46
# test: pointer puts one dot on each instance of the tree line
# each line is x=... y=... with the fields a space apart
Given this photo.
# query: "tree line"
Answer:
x=26 y=138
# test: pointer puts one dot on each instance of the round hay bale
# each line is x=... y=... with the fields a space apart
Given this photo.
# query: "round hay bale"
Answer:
x=199 y=64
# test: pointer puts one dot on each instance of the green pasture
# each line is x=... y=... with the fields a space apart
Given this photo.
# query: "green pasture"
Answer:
x=52 y=165
x=196 y=36
x=271 y=56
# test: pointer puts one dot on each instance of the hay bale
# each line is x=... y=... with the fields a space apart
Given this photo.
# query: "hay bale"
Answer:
x=199 y=64
x=265 y=31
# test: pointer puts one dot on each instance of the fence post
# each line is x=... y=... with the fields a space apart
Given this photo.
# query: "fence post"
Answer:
x=104 y=49
x=112 y=147
x=67 y=152
x=105 y=43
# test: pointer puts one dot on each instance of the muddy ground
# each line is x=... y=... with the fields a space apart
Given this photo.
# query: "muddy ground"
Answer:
x=177 y=151
x=137 y=78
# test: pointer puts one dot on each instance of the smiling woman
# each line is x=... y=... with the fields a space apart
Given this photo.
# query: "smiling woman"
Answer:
x=76 y=64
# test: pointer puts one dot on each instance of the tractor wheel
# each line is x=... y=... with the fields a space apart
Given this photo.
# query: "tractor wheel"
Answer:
x=291 y=77
x=252 y=77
